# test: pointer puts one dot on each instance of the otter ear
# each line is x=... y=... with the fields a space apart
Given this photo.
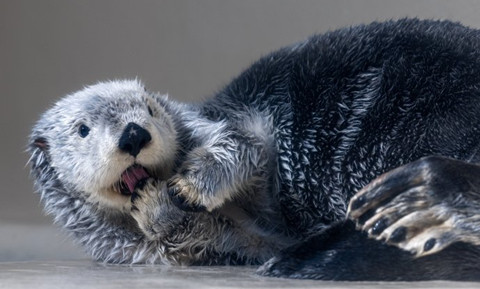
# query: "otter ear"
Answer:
x=40 y=143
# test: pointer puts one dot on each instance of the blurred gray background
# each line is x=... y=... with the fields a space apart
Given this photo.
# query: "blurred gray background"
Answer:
x=188 y=49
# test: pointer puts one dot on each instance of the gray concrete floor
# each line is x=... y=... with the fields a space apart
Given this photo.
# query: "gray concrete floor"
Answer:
x=87 y=274
x=42 y=257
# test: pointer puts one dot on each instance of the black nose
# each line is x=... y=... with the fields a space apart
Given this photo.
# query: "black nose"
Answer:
x=133 y=139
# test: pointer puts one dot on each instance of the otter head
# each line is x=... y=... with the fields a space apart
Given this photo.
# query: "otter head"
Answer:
x=100 y=141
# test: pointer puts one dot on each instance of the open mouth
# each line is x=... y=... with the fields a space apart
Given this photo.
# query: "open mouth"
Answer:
x=130 y=178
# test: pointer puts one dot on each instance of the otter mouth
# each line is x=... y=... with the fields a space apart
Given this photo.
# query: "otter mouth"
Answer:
x=130 y=178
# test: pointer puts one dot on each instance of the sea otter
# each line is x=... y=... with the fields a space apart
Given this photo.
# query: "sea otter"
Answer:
x=376 y=123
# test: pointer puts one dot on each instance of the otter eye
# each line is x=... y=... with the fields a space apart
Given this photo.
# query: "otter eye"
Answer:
x=83 y=130
x=150 y=111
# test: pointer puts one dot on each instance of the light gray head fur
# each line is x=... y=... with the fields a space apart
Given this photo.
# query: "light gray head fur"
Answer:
x=93 y=164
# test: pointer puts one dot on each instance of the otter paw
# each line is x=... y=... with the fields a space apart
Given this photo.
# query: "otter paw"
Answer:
x=421 y=207
x=149 y=209
x=185 y=195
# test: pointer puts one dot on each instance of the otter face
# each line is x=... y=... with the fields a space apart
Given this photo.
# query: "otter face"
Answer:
x=103 y=139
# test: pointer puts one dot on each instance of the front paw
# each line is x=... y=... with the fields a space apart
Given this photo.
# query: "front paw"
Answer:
x=421 y=207
x=151 y=208
x=184 y=195
x=194 y=194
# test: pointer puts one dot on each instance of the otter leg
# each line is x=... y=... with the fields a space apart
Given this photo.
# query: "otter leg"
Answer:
x=422 y=207
x=343 y=253
x=218 y=171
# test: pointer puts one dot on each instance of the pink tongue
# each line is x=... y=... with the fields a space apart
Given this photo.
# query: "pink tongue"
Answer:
x=133 y=175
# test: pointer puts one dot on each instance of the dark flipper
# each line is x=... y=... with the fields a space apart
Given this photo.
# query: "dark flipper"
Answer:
x=342 y=253
x=422 y=207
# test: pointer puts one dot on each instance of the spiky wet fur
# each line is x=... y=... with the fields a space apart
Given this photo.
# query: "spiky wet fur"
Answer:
x=275 y=156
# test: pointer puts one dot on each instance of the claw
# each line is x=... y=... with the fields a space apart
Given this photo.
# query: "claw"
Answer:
x=359 y=202
x=134 y=197
x=379 y=227
x=398 y=235
x=140 y=184
x=429 y=244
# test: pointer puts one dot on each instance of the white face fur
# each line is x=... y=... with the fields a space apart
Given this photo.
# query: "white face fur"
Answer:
x=83 y=130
